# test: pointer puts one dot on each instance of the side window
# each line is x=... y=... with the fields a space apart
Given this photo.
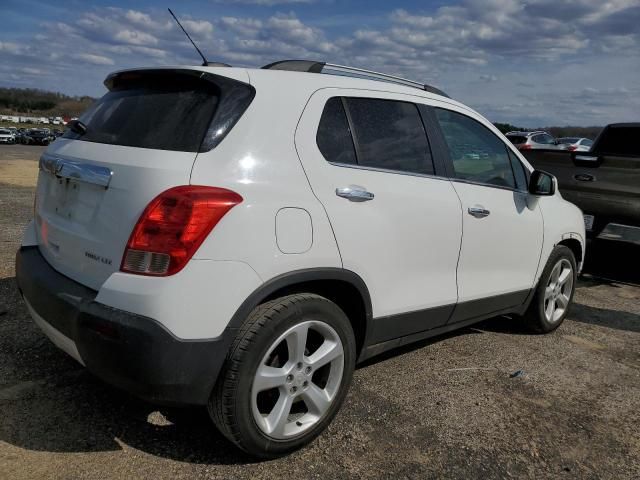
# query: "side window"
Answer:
x=547 y=139
x=477 y=153
x=390 y=135
x=333 y=137
x=586 y=142
x=518 y=171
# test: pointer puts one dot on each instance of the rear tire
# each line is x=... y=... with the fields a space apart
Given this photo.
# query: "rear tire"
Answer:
x=275 y=395
x=554 y=293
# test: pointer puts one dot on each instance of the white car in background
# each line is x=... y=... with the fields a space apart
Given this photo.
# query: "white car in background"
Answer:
x=575 y=144
x=7 y=136
x=241 y=238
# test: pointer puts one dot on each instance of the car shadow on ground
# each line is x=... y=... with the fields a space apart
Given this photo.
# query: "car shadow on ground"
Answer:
x=611 y=261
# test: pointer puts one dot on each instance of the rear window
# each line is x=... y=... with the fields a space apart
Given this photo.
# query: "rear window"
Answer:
x=517 y=139
x=621 y=140
x=164 y=112
x=568 y=140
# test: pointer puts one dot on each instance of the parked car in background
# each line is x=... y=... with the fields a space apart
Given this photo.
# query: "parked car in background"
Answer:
x=7 y=136
x=604 y=182
x=369 y=216
x=575 y=144
x=37 y=136
x=538 y=140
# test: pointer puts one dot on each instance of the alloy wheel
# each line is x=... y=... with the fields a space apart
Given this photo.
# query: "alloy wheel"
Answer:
x=558 y=292
x=297 y=380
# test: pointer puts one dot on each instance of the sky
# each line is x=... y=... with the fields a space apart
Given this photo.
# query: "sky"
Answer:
x=526 y=62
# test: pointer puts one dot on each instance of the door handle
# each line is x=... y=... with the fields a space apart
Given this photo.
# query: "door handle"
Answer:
x=478 y=212
x=354 y=193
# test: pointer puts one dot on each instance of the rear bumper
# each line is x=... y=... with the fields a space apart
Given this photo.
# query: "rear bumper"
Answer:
x=129 y=351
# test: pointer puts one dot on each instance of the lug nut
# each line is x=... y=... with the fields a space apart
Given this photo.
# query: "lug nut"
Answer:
x=299 y=366
x=289 y=378
x=305 y=384
x=307 y=370
x=294 y=389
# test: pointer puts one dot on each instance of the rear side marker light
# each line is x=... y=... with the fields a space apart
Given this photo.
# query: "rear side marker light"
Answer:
x=173 y=226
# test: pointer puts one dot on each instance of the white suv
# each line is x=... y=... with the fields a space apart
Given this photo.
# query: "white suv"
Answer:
x=242 y=238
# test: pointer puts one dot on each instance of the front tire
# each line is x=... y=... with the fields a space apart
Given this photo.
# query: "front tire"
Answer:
x=285 y=376
x=554 y=293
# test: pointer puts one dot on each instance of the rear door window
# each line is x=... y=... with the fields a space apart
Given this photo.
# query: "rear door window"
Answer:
x=334 y=137
x=389 y=135
x=477 y=154
x=169 y=112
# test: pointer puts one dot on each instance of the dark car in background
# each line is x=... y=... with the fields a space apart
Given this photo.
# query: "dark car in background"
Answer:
x=37 y=136
x=604 y=182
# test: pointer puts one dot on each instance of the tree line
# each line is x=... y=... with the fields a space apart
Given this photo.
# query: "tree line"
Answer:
x=33 y=101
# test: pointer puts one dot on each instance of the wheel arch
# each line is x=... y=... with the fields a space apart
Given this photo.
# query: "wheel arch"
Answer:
x=575 y=246
x=343 y=287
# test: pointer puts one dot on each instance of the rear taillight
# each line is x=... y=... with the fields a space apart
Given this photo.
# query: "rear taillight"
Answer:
x=572 y=148
x=173 y=226
x=524 y=146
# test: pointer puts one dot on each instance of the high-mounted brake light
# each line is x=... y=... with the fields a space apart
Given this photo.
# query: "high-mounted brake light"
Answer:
x=173 y=226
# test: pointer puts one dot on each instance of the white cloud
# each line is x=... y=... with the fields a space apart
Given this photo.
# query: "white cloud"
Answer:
x=133 y=37
x=267 y=3
x=483 y=52
x=11 y=48
x=94 y=59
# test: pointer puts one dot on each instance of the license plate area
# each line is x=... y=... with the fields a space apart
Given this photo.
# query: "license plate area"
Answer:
x=588 y=222
x=73 y=200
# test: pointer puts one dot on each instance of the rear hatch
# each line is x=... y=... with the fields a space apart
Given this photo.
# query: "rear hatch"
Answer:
x=141 y=138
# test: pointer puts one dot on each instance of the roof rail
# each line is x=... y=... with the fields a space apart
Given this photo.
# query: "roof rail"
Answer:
x=334 y=69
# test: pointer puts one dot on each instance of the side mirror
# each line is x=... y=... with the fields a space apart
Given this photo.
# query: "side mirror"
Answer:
x=542 y=183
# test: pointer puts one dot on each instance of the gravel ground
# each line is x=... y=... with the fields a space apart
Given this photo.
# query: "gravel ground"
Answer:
x=447 y=408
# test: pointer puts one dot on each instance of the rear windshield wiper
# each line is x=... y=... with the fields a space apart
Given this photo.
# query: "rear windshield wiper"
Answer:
x=77 y=126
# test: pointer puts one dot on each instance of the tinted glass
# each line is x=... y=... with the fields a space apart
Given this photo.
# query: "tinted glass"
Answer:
x=390 y=135
x=333 y=137
x=477 y=154
x=586 y=142
x=622 y=140
x=548 y=139
x=170 y=113
x=518 y=171
x=517 y=139
x=568 y=140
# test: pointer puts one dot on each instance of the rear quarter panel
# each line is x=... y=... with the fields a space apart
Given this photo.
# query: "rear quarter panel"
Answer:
x=259 y=161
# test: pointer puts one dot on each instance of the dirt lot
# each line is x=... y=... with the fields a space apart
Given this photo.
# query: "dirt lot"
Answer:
x=447 y=408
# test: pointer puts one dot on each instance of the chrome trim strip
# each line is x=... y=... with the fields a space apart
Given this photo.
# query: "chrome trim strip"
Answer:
x=74 y=170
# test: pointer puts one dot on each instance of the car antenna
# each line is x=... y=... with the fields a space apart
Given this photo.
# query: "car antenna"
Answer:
x=204 y=60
